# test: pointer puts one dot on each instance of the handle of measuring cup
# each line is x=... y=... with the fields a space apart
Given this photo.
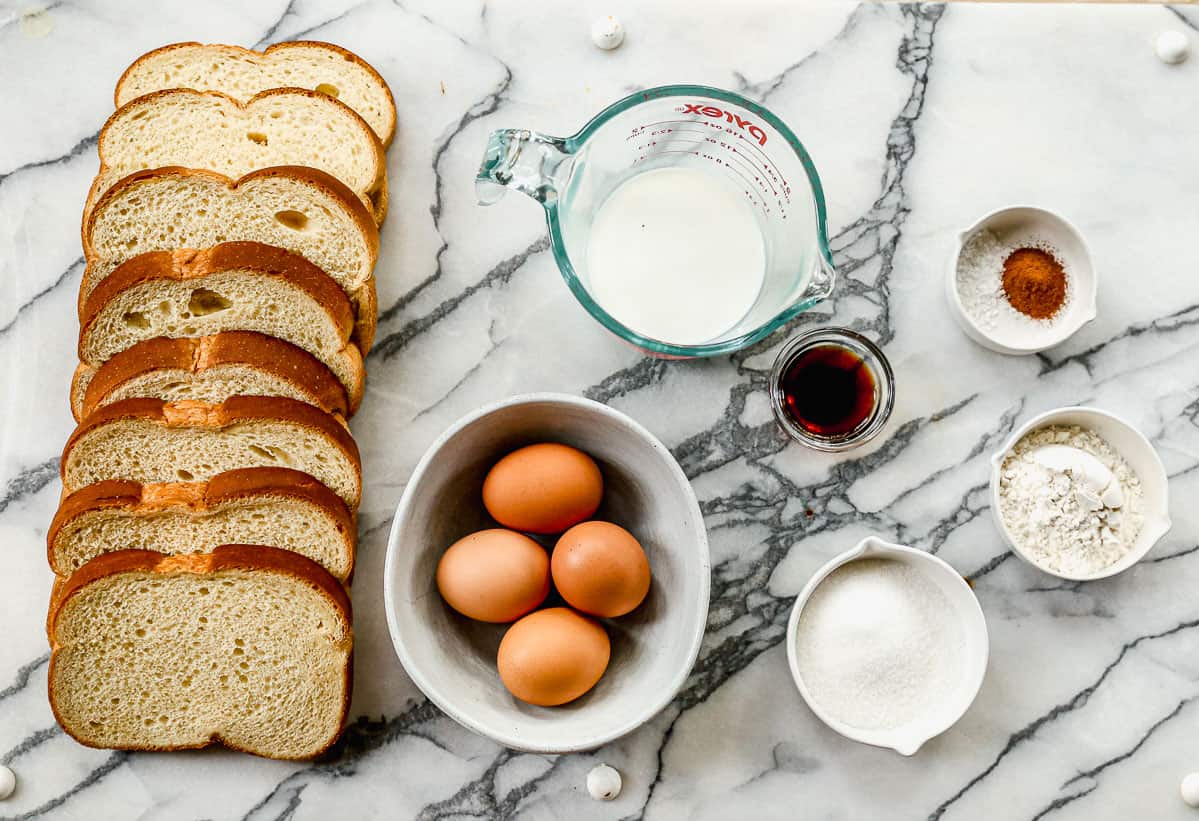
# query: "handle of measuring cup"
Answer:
x=532 y=163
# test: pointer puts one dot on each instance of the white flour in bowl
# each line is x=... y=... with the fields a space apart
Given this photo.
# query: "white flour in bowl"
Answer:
x=877 y=645
x=1073 y=513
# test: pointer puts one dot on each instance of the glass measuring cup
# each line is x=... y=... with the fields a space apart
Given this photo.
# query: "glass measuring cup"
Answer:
x=671 y=127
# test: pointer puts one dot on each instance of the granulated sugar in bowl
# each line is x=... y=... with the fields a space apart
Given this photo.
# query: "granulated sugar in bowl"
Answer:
x=871 y=646
x=887 y=645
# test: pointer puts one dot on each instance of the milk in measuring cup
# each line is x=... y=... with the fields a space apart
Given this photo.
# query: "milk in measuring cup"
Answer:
x=676 y=254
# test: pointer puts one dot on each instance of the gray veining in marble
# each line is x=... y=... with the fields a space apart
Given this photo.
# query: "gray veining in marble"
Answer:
x=919 y=118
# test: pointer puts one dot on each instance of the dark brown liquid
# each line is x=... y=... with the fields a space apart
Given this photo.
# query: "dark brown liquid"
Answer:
x=828 y=391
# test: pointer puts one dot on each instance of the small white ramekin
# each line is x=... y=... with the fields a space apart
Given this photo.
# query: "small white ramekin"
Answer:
x=965 y=609
x=1131 y=444
x=1028 y=221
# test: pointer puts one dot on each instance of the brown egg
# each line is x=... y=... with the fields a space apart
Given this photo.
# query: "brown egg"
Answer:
x=553 y=656
x=599 y=568
x=494 y=575
x=543 y=488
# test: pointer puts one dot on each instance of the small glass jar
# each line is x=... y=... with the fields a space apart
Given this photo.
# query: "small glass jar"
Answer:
x=871 y=358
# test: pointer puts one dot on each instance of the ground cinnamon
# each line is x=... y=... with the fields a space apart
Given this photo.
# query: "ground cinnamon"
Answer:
x=1034 y=282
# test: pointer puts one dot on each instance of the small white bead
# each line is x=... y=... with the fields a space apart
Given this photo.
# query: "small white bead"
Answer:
x=1189 y=788
x=603 y=782
x=8 y=782
x=1172 y=47
x=607 y=33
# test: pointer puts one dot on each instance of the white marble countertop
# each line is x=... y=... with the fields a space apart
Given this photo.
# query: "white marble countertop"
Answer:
x=919 y=119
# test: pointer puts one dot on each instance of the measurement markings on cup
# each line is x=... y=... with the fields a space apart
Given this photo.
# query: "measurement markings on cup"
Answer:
x=756 y=173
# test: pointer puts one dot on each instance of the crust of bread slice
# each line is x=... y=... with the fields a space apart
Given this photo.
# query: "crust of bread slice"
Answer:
x=367 y=316
x=225 y=563
x=212 y=369
x=241 y=413
x=188 y=264
x=209 y=129
x=101 y=504
x=230 y=287
x=158 y=69
x=302 y=210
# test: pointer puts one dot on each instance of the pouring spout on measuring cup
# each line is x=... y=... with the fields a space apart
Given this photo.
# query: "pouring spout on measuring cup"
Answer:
x=532 y=163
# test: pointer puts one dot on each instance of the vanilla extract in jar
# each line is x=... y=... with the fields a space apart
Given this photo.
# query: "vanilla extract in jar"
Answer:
x=831 y=389
x=828 y=390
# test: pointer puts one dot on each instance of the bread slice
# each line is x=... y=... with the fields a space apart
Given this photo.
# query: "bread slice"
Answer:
x=151 y=441
x=207 y=129
x=301 y=210
x=242 y=73
x=235 y=286
x=246 y=646
x=274 y=506
x=208 y=369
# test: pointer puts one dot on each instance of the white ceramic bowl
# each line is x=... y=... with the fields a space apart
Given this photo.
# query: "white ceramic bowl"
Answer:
x=453 y=659
x=964 y=609
x=1131 y=444
x=1019 y=225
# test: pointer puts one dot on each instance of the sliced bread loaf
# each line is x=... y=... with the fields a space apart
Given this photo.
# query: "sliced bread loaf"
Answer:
x=274 y=506
x=245 y=646
x=301 y=210
x=208 y=369
x=242 y=73
x=207 y=129
x=235 y=286
x=151 y=441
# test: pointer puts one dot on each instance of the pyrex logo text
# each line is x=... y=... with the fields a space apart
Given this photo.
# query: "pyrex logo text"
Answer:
x=716 y=113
